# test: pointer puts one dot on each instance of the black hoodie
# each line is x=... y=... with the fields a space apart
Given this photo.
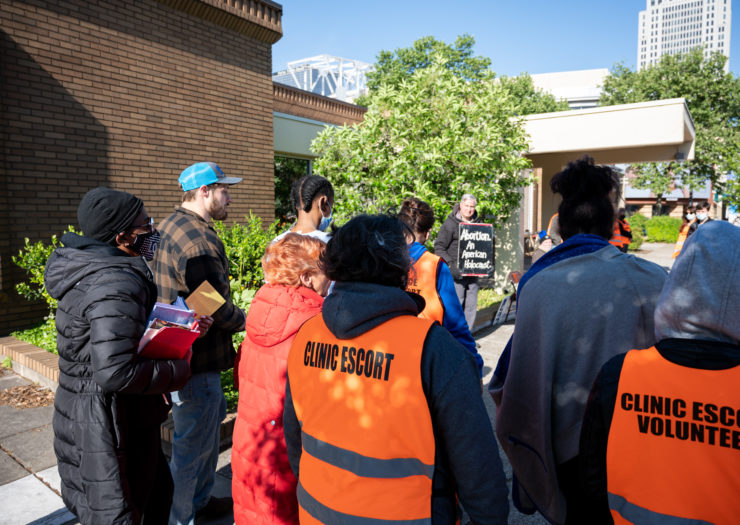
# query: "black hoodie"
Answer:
x=448 y=239
x=467 y=459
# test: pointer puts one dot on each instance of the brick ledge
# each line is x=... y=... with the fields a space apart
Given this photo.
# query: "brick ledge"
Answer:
x=42 y=367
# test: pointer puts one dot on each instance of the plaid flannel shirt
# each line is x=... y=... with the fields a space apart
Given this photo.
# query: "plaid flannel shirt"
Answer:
x=189 y=253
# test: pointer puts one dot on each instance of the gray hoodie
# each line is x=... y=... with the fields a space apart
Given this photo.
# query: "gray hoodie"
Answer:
x=701 y=299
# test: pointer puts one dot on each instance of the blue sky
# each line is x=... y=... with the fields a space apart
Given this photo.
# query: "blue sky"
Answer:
x=533 y=36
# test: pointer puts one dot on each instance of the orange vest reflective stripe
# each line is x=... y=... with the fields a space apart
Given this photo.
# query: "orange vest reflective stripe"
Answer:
x=618 y=239
x=423 y=281
x=673 y=451
x=682 y=235
x=366 y=430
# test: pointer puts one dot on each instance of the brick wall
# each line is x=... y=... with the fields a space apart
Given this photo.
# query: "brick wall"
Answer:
x=126 y=93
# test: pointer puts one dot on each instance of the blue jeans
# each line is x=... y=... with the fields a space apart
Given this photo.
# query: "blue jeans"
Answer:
x=197 y=411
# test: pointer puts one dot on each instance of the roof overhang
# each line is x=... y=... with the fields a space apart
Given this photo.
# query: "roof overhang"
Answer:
x=656 y=131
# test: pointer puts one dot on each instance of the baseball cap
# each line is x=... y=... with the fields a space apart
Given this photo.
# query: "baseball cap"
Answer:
x=203 y=174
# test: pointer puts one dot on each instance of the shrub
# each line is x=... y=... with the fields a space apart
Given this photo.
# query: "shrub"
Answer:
x=637 y=224
x=663 y=229
x=245 y=245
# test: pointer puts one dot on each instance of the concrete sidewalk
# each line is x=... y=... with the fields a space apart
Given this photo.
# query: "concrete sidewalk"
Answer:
x=30 y=485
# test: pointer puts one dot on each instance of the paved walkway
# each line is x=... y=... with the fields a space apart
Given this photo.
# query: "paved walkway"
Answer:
x=30 y=485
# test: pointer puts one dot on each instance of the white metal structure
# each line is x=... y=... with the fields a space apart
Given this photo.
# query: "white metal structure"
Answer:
x=334 y=77
x=668 y=27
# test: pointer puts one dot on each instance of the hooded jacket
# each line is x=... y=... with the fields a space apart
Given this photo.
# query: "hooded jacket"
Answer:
x=696 y=325
x=107 y=394
x=572 y=317
x=448 y=239
x=466 y=457
x=263 y=486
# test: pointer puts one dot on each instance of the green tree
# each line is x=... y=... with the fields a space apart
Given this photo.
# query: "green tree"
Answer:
x=528 y=98
x=392 y=68
x=713 y=98
x=434 y=135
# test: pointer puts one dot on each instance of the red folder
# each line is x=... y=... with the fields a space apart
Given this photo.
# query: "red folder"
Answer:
x=168 y=342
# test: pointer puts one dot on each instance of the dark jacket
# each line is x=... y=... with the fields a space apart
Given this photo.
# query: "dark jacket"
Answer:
x=701 y=355
x=448 y=240
x=107 y=394
x=189 y=253
x=466 y=458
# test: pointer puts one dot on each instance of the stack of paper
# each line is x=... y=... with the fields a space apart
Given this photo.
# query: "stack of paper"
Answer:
x=170 y=332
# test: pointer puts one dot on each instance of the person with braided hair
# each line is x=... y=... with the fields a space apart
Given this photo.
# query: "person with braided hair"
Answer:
x=430 y=276
x=312 y=197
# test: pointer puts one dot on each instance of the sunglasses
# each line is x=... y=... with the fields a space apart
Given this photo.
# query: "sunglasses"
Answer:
x=148 y=225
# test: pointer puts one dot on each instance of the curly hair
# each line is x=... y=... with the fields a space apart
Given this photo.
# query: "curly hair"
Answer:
x=417 y=215
x=287 y=259
x=307 y=188
x=369 y=248
x=587 y=205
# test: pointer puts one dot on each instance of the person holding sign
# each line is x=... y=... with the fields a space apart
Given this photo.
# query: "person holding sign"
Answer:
x=430 y=276
x=580 y=304
x=663 y=424
x=109 y=404
x=447 y=246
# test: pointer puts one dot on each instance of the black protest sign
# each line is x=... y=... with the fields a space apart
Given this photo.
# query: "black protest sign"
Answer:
x=475 y=256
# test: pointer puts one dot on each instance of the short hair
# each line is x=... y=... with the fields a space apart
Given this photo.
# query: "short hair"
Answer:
x=370 y=249
x=307 y=188
x=587 y=205
x=469 y=197
x=703 y=206
x=417 y=215
x=190 y=195
x=288 y=258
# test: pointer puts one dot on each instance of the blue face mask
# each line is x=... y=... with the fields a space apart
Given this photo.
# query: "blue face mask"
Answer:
x=325 y=222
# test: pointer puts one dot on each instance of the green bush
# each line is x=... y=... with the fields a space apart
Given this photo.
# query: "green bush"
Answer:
x=245 y=245
x=637 y=222
x=663 y=229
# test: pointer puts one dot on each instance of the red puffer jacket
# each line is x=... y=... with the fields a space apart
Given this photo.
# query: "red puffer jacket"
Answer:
x=263 y=486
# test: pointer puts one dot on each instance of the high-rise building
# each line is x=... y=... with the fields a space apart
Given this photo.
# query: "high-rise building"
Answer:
x=669 y=27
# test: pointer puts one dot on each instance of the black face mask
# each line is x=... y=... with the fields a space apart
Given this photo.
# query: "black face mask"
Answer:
x=146 y=244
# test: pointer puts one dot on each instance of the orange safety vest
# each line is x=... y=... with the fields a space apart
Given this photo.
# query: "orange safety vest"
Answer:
x=682 y=236
x=618 y=239
x=423 y=281
x=367 y=441
x=673 y=450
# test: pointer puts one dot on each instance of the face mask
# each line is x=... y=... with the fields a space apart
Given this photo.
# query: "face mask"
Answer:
x=701 y=216
x=690 y=216
x=146 y=244
x=325 y=222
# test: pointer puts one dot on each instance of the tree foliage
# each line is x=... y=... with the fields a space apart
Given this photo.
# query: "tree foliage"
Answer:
x=393 y=67
x=713 y=98
x=434 y=135
x=528 y=98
